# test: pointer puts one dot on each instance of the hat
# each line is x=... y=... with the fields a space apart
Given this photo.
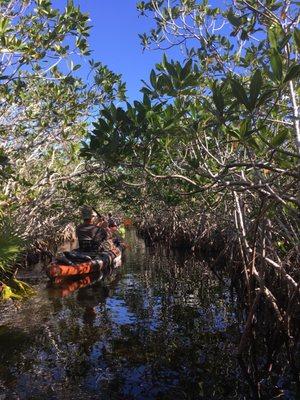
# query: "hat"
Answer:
x=88 y=213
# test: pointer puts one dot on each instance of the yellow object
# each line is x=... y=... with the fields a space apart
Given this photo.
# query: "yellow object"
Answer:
x=7 y=294
x=122 y=231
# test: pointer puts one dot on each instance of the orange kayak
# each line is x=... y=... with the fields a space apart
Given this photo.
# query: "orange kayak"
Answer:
x=60 y=269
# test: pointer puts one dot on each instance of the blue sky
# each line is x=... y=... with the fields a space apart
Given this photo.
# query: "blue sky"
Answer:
x=114 y=39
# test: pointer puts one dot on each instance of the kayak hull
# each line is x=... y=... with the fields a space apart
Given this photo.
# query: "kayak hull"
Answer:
x=56 y=269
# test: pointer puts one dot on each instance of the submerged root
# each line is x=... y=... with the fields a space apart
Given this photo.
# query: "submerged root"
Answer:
x=264 y=275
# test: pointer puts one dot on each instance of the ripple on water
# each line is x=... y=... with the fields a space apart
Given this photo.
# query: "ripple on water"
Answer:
x=119 y=312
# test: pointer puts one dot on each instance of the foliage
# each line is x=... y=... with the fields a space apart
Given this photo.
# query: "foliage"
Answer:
x=46 y=104
x=10 y=247
x=222 y=123
x=6 y=294
x=216 y=142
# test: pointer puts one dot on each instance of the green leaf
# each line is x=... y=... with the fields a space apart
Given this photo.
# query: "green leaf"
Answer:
x=165 y=61
x=164 y=84
x=244 y=128
x=10 y=247
x=146 y=101
x=283 y=42
x=279 y=139
x=276 y=36
x=297 y=37
x=292 y=73
x=101 y=126
x=235 y=21
x=252 y=142
x=255 y=87
x=272 y=38
x=234 y=133
x=264 y=97
x=276 y=64
x=239 y=92
x=153 y=79
x=218 y=99
x=186 y=70
x=171 y=69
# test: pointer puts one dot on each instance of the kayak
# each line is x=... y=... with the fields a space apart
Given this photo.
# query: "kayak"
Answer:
x=63 y=286
x=75 y=263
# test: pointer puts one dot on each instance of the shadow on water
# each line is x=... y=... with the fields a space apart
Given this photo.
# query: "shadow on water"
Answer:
x=160 y=328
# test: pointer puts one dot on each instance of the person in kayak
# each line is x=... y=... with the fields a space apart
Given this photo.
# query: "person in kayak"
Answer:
x=93 y=237
x=109 y=245
x=110 y=219
x=116 y=236
x=90 y=235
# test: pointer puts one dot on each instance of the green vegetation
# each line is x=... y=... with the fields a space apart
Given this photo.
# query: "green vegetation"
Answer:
x=11 y=246
x=45 y=108
x=208 y=159
x=217 y=134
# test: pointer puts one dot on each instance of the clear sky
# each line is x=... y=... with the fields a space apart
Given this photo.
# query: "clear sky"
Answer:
x=114 y=39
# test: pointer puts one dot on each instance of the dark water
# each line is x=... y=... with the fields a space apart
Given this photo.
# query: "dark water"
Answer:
x=160 y=328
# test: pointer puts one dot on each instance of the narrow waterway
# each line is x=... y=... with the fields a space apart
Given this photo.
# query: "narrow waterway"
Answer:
x=158 y=328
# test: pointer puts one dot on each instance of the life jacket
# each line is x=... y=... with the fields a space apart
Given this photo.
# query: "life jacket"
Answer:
x=90 y=237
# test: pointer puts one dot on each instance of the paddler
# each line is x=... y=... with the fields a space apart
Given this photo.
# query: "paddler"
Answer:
x=93 y=237
x=90 y=235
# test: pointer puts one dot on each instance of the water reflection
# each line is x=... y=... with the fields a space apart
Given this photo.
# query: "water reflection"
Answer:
x=158 y=329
